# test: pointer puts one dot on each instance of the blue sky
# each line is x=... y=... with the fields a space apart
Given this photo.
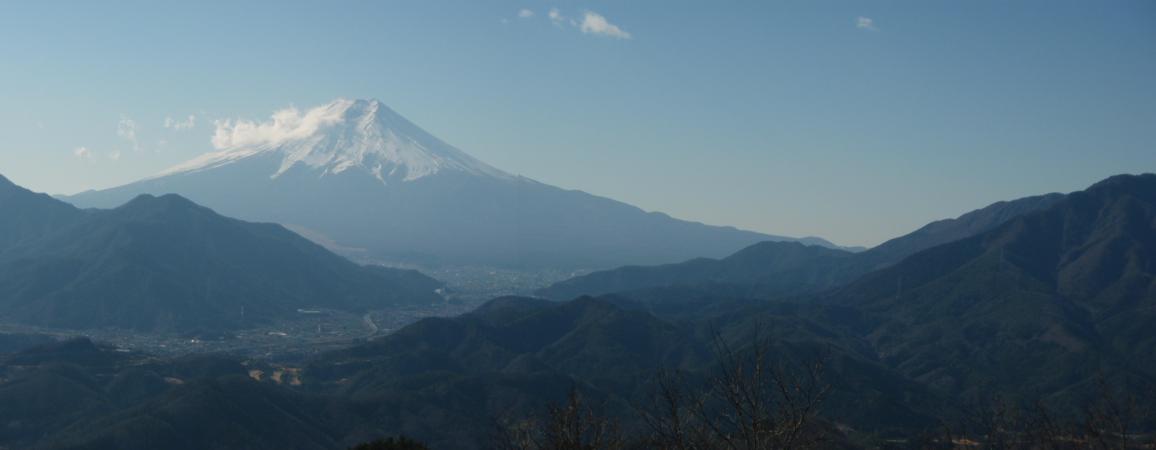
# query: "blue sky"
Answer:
x=853 y=120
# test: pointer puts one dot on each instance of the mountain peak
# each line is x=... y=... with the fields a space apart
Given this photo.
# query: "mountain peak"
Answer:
x=149 y=204
x=357 y=111
x=1143 y=182
x=341 y=136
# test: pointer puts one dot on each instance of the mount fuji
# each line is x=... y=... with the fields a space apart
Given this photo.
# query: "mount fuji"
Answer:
x=359 y=177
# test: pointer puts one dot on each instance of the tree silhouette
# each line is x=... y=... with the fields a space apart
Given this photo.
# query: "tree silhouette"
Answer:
x=752 y=402
x=570 y=426
x=393 y=443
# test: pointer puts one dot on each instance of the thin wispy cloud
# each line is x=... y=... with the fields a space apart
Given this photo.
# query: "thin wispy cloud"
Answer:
x=865 y=23
x=555 y=16
x=176 y=124
x=83 y=154
x=126 y=129
x=594 y=23
x=89 y=156
x=590 y=22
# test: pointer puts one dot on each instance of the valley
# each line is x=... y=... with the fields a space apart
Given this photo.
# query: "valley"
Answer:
x=294 y=338
x=289 y=339
x=1043 y=300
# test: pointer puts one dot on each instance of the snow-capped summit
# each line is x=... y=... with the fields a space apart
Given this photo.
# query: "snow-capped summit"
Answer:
x=337 y=137
x=359 y=177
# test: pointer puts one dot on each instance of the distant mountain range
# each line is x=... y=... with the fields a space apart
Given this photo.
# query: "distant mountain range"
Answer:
x=1045 y=299
x=784 y=268
x=1038 y=297
x=359 y=175
x=167 y=264
x=1037 y=304
x=1047 y=302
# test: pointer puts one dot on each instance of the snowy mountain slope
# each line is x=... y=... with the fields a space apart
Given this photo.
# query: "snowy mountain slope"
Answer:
x=343 y=135
x=362 y=176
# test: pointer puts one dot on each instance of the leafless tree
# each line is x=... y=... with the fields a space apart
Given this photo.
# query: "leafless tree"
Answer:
x=754 y=401
x=1109 y=423
x=569 y=426
x=1111 y=419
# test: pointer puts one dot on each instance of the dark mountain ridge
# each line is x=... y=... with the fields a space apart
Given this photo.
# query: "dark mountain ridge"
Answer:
x=167 y=264
x=1045 y=302
x=776 y=269
x=1043 y=307
x=28 y=215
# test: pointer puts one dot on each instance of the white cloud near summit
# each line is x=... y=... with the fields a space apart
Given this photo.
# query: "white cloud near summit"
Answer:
x=285 y=125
